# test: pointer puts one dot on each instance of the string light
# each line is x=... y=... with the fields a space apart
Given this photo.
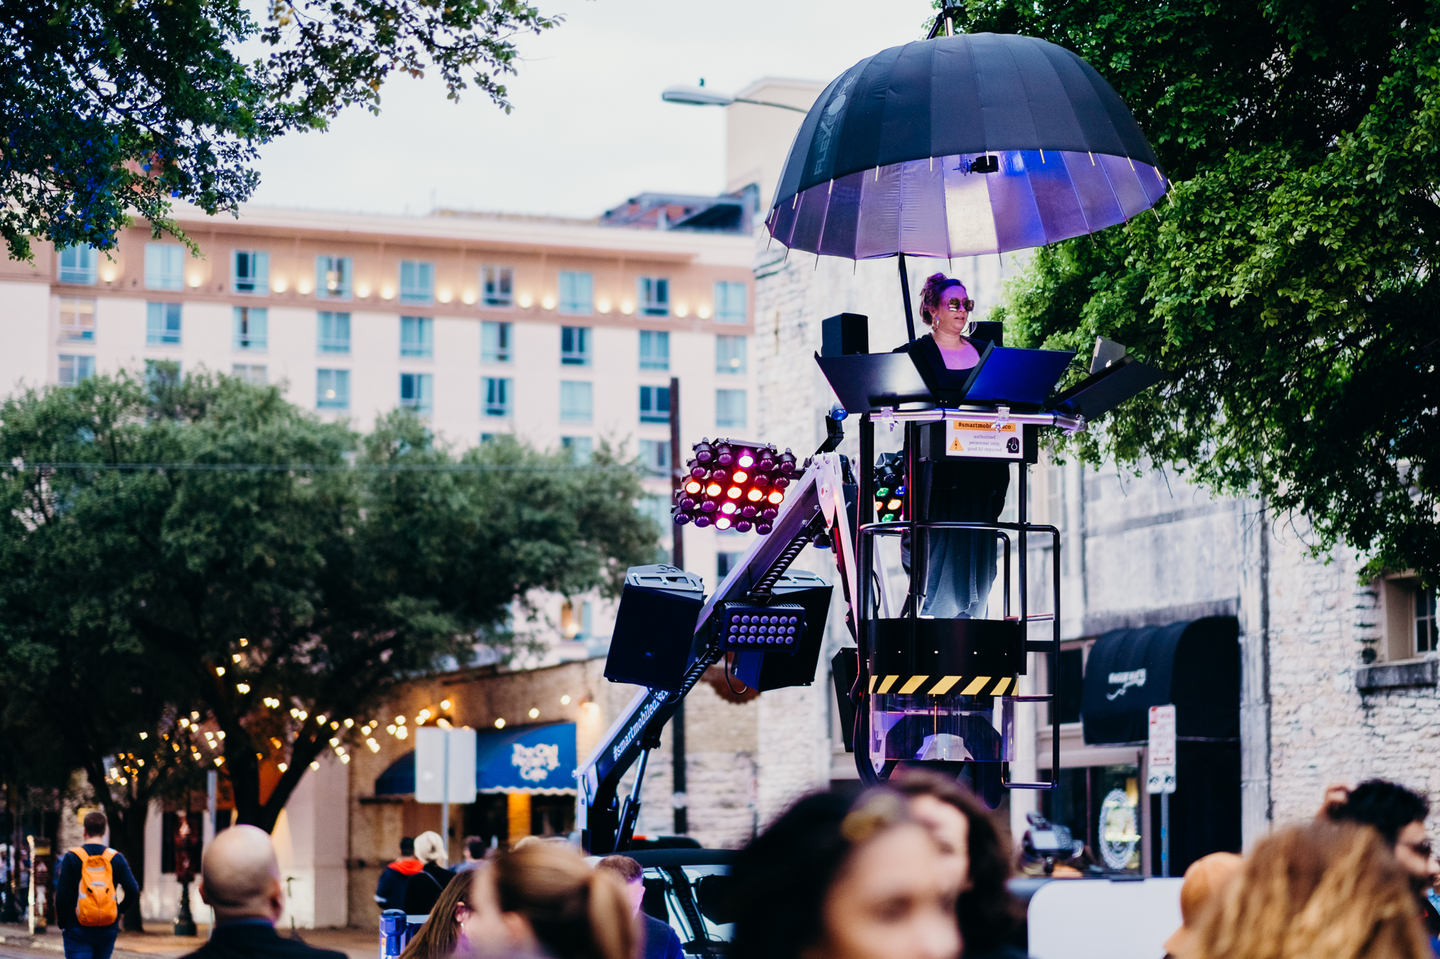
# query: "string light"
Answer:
x=565 y=700
x=282 y=767
x=499 y=724
x=444 y=704
x=242 y=688
x=534 y=712
x=219 y=670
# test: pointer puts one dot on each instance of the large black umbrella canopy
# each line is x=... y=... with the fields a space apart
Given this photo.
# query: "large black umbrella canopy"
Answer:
x=885 y=162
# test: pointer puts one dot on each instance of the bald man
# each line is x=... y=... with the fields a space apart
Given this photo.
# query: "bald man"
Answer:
x=240 y=880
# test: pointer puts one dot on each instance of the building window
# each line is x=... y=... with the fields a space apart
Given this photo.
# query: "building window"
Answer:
x=655 y=457
x=332 y=389
x=164 y=266
x=576 y=401
x=654 y=404
x=730 y=408
x=253 y=373
x=576 y=293
x=1425 y=626
x=729 y=354
x=77 y=264
x=250 y=271
x=574 y=620
x=654 y=350
x=495 y=342
x=162 y=324
x=497 y=396
x=161 y=374
x=575 y=345
x=73 y=369
x=417 y=336
x=332 y=332
x=417 y=281
x=725 y=563
x=654 y=295
x=729 y=302
x=498 y=282
x=333 y=275
x=417 y=392
x=77 y=319
x=251 y=328
x=580 y=448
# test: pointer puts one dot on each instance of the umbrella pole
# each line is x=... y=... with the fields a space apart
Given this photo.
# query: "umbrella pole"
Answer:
x=905 y=292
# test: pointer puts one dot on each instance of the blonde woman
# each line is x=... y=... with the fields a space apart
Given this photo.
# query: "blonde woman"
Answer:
x=424 y=888
x=1322 y=891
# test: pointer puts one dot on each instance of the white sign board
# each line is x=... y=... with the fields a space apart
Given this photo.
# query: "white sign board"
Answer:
x=1101 y=919
x=437 y=748
x=979 y=438
x=1160 y=775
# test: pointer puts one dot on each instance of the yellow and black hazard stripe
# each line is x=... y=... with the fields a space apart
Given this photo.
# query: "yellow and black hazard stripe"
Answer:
x=940 y=685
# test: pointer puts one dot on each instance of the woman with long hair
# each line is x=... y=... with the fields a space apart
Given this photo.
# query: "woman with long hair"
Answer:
x=439 y=937
x=544 y=899
x=835 y=880
x=975 y=861
x=1322 y=890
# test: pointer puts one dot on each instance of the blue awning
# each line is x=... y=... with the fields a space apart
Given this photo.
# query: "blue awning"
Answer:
x=529 y=759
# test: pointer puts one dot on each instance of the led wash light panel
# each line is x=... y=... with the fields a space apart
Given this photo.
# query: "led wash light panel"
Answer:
x=776 y=628
x=734 y=485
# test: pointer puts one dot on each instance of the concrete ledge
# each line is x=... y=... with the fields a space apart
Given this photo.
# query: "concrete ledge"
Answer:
x=1425 y=672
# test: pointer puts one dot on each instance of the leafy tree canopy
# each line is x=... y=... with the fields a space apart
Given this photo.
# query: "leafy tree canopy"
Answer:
x=266 y=573
x=110 y=107
x=1289 y=281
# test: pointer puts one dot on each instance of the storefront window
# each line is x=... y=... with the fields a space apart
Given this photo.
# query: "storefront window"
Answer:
x=1101 y=806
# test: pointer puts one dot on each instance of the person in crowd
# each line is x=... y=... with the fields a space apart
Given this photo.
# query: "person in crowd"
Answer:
x=423 y=889
x=439 y=937
x=975 y=861
x=543 y=898
x=659 y=939
x=1326 y=889
x=89 y=916
x=1398 y=814
x=843 y=881
x=473 y=851
x=390 y=890
x=240 y=880
x=1205 y=881
x=958 y=565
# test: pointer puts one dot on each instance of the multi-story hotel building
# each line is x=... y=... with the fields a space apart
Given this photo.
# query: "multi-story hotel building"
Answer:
x=564 y=332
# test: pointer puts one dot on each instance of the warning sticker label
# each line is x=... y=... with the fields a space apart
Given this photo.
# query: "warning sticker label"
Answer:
x=978 y=438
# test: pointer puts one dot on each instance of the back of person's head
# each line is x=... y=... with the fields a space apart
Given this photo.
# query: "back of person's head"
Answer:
x=1384 y=806
x=429 y=847
x=575 y=911
x=439 y=937
x=239 y=877
x=407 y=846
x=627 y=869
x=94 y=824
x=475 y=846
x=988 y=912
x=1326 y=889
x=1205 y=882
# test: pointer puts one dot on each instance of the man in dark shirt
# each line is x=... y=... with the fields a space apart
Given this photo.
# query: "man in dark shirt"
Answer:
x=660 y=939
x=91 y=942
x=240 y=880
x=390 y=890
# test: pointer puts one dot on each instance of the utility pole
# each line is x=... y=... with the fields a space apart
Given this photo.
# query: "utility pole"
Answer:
x=678 y=798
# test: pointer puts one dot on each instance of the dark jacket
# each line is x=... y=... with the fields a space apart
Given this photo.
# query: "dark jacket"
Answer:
x=67 y=885
x=257 y=939
x=390 y=890
x=661 y=942
x=424 y=888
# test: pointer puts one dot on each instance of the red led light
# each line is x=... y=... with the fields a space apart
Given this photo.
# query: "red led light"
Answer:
x=754 y=496
x=733 y=492
x=734 y=485
x=713 y=489
x=740 y=476
x=776 y=497
x=693 y=487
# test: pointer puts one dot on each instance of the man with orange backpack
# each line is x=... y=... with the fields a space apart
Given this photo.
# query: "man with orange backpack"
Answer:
x=86 y=907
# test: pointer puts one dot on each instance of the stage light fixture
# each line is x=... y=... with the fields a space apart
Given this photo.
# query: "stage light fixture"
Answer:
x=777 y=628
x=890 y=487
x=725 y=476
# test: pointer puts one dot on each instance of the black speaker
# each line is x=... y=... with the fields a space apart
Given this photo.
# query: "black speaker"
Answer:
x=655 y=627
x=844 y=334
x=776 y=670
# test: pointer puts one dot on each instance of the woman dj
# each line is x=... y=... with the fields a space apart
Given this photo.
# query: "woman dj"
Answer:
x=958 y=565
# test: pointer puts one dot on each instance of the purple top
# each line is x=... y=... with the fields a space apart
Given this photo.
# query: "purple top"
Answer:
x=961 y=359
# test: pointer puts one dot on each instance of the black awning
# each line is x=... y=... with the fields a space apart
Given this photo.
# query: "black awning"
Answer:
x=1195 y=665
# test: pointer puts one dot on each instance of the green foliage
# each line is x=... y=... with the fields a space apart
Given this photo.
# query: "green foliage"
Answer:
x=276 y=602
x=1288 y=282
x=114 y=108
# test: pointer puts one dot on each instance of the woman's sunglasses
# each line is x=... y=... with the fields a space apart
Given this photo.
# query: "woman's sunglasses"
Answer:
x=955 y=303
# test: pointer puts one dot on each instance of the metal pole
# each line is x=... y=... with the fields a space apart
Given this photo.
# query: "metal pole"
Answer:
x=1165 y=835
x=905 y=293
x=445 y=797
x=212 y=786
x=678 y=797
x=677 y=474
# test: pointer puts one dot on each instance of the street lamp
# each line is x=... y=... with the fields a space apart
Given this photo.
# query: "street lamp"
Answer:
x=702 y=97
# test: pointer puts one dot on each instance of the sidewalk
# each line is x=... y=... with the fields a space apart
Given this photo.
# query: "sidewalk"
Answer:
x=156 y=942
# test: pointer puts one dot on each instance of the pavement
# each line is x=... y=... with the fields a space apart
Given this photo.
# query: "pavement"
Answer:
x=157 y=942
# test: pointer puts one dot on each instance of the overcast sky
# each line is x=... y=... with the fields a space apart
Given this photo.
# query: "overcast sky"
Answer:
x=589 y=128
